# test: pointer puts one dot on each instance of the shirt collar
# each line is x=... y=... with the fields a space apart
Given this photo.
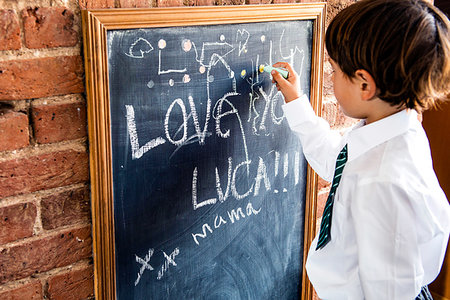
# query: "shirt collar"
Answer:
x=363 y=137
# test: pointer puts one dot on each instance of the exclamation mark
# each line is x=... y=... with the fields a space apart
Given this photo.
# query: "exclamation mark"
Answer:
x=277 y=163
x=285 y=168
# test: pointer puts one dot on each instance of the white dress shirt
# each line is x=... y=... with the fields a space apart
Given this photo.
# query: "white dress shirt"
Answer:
x=390 y=220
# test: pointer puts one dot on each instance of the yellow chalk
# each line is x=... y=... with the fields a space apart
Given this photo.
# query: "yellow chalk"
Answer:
x=261 y=68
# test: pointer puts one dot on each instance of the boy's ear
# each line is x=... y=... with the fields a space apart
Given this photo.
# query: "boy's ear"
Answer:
x=367 y=85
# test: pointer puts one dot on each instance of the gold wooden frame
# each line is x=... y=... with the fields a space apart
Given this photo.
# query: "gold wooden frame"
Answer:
x=96 y=23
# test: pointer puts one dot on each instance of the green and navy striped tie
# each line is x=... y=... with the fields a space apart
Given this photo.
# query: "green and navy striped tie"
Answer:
x=325 y=226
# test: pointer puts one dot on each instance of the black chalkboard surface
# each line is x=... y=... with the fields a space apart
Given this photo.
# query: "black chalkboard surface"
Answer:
x=208 y=182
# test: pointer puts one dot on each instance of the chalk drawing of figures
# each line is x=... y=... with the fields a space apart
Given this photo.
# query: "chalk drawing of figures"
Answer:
x=139 y=48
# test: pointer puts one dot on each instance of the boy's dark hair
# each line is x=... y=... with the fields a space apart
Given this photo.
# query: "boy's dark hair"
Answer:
x=403 y=44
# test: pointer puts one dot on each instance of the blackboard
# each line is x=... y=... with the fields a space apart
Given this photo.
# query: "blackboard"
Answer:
x=209 y=185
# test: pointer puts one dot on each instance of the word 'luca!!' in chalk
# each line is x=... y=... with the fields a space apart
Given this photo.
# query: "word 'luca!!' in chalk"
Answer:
x=269 y=69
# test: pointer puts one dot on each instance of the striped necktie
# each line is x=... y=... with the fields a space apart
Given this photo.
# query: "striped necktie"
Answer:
x=325 y=225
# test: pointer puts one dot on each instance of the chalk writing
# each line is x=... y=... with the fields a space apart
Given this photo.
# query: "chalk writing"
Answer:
x=136 y=150
x=144 y=262
x=145 y=265
x=242 y=37
x=170 y=260
x=169 y=70
x=233 y=216
x=261 y=177
x=204 y=95
x=139 y=48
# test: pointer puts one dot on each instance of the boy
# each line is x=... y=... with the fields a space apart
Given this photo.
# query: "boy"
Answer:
x=386 y=222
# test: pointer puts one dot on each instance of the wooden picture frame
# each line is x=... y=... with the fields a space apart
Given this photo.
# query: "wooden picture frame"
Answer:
x=96 y=24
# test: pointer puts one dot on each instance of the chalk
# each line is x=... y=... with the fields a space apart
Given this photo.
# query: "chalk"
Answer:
x=269 y=69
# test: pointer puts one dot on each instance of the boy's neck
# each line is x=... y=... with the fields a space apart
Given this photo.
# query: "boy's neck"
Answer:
x=379 y=109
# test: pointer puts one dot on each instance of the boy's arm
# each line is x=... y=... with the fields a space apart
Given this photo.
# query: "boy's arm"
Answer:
x=320 y=144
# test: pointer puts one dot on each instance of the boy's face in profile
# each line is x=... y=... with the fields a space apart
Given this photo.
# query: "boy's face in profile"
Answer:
x=347 y=93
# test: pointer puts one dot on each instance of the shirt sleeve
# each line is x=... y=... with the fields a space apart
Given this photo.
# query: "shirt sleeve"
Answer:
x=389 y=260
x=321 y=145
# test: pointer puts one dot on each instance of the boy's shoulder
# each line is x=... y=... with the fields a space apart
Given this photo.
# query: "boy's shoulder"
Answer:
x=405 y=156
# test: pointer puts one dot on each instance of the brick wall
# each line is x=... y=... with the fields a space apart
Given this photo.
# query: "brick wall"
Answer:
x=45 y=225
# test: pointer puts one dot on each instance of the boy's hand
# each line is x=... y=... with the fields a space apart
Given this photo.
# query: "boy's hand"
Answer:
x=290 y=87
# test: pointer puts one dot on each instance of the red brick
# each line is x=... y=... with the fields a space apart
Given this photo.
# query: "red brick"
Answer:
x=343 y=121
x=41 y=77
x=205 y=2
x=16 y=222
x=321 y=201
x=259 y=2
x=48 y=27
x=74 y=285
x=231 y=2
x=13 y=130
x=169 y=3
x=135 y=3
x=330 y=111
x=327 y=78
x=66 y=208
x=335 y=6
x=9 y=30
x=28 y=291
x=283 y=1
x=59 y=122
x=315 y=297
x=88 y=4
x=322 y=184
x=43 y=171
x=58 y=250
